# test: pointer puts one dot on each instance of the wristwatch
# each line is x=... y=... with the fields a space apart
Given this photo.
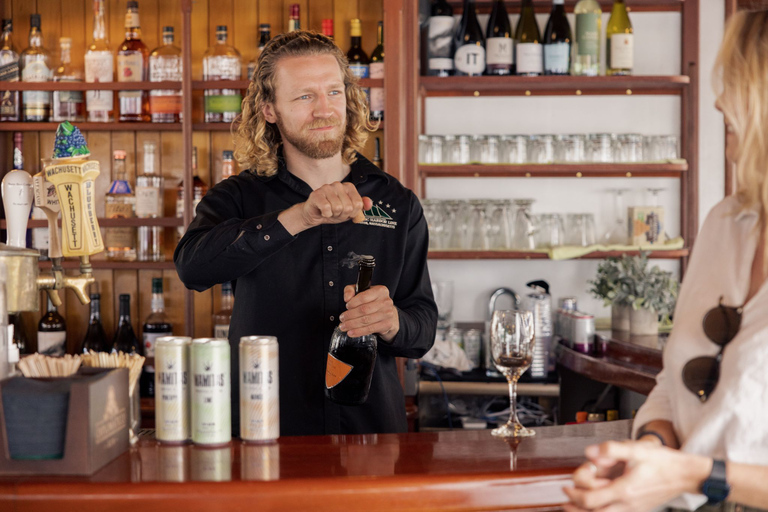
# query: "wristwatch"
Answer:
x=716 y=487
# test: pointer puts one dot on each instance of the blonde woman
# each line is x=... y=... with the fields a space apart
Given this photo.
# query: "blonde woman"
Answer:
x=702 y=435
x=282 y=232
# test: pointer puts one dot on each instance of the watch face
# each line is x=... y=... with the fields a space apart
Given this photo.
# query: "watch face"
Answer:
x=716 y=490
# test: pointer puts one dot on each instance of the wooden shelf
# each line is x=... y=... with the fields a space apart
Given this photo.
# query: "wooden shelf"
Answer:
x=225 y=127
x=168 y=222
x=82 y=86
x=108 y=127
x=198 y=85
x=74 y=263
x=551 y=85
x=524 y=255
x=545 y=6
x=585 y=170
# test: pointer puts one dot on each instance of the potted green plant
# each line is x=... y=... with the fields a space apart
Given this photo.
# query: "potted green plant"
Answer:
x=609 y=286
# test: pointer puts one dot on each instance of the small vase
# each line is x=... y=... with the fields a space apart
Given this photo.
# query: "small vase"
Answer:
x=620 y=317
x=643 y=322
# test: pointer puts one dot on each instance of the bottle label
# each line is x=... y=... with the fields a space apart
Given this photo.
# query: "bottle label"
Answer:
x=149 y=342
x=69 y=96
x=164 y=102
x=99 y=67
x=500 y=51
x=148 y=202
x=335 y=371
x=221 y=68
x=119 y=210
x=120 y=187
x=440 y=37
x=530 y=58
x=441 y=64
x=377 y=93
x=36 y=71
x=131 y=19
x=556 y=57
x=221 y=331
x=9 y=72
x=622 y=51
x=130 y=67
x=360 y=70
x=165 y=69
x=221 y=104
x=52 y=343
x=376 y=70
x=587 y=34
x=470 y=59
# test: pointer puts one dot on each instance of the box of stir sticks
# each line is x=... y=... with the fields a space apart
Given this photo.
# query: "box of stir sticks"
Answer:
x=63 y=426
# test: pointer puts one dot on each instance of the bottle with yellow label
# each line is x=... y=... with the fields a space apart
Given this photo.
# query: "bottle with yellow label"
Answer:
x=121 y=203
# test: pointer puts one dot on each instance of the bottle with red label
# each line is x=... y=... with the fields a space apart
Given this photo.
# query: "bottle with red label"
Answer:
x=351 y=361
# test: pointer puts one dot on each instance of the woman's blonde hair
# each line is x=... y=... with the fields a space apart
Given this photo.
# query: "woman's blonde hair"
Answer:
x=256 y=140
x=741 y=81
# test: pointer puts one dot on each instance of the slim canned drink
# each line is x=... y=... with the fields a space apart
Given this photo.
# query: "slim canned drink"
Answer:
x=259 y=389
x=171 y=389
x=211 y=391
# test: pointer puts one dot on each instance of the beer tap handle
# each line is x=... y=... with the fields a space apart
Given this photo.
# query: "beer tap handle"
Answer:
x=54 y=295
x=17 y=202
x=48 y=202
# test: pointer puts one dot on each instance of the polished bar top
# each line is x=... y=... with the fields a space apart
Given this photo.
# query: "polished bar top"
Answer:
x=457 y=470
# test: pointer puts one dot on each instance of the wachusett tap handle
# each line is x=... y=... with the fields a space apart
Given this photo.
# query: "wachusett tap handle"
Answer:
x=18 y=199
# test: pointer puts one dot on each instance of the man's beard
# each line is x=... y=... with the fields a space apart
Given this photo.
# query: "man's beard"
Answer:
x=317 y=149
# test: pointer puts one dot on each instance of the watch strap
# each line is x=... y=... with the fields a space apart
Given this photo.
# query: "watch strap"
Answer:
x=716 y=487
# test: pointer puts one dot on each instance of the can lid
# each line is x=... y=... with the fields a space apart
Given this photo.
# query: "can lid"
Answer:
x=258 y=340
x=210 y=341
x=173 y=340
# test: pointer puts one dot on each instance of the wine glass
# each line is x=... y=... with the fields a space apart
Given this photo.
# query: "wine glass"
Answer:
x=512 y=343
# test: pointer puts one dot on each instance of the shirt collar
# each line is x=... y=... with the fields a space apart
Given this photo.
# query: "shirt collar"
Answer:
x=747 y=213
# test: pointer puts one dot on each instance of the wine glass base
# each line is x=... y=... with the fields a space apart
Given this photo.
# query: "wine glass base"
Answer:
x=512 y=430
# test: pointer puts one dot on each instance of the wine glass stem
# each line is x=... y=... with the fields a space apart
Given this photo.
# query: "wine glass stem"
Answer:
x=512 y=380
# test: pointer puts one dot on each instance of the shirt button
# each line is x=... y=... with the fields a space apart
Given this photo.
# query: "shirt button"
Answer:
x=258 y=226
x=266 y=237
x=330 y=283
x=332 y=318
x=330 y=248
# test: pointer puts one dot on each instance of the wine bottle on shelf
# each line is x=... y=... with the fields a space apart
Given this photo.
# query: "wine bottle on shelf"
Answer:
x=377 y=161
x=469 y=58
x=99 y=67
x=120 y=242
x=165 y=64
x=222 y=62
x=227 y=164
x=35 y=64
x=149 y=205
x=95 y=337
x=557 y=41
x=327 y=28
x=440 y=39
x=264 y=37
x=500 y=47
x=377 y=71
x=132 y=66
x=52 y=332
x=359 y=62
x=586 y=43
x=67 y=105
x=19 y=333
x=223 y=316
x=294 y=18
x=529 y=51
x=619 y=50
x=125 y=339
x=10 y=106
x=155 y=326
x=351 y=361
x=199 y=189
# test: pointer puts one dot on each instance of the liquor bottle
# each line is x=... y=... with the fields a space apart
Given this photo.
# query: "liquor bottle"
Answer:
x=619 y=50
x=294 y=20
x=557 y=41
x=199 y=189
x=586 y=44
x=500 y=47
x=359 y=62
x=35 y=63
x=221 y=62
x=440 y=39
x=227 y=164
x=99 y=67
x=165 y=64
x=67 y=105
x=120 y=241
x=327 y=28
x=377 y=161
x=264 y=37
x=52 y=332
x=149 y=205
x=351 y=361
x=10 y=106
x=125 y=339
x=223 y=316
x=469 y=59
x=376 y=69
x=132 y=61
x=155 y=325
x=95 y=338
x=529 y=54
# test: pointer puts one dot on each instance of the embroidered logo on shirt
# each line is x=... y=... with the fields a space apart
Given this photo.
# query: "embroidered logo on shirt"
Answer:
x=378 y=216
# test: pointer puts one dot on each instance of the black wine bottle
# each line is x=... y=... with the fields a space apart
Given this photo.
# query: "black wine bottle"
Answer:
x=125 y=338
x=95 y=337
x=529 y=57
x=499 y=45
x=351 y=361
x=469 y=59
x=557 y=41
x=155 y=325
x=52 y=333
x=376 y=70
x=440 y=39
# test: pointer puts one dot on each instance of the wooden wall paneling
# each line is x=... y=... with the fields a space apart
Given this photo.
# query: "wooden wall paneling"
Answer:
x=171 y=167
x=200 y=42
x=174 y=292
x=76 y=318
x=169 y=14
x=100 y=145
x=50 y=25
x=318 y=11
x=371 y=13
x=116 y=25
x=272 y=12
x=220 y=141
x=30 y=149
x=73 y=12
x=151 y=24
x=343 y=12
x=22 y=9
x=88 y=26
x=126 y=281
x=245 y=24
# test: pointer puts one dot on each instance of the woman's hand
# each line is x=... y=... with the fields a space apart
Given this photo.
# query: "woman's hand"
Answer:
x=634 y=476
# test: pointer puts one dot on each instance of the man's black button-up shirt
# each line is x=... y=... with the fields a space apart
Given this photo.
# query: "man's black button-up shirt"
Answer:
x=292 y=287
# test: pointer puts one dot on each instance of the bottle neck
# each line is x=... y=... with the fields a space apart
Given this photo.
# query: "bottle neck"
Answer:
x=221 y=38
x=66 y=55
x=51 y=307
x=95 y=310
x=132 y=25
x=119 y=169
x=264 y=39
x=7 y=40
x=364 y=276
x=99 y=26
x=125 y=314
x=227 y=299
x=167 y=39
x=18 y=157
x=380 y=35
x=158 y=303
x=355 y=41
x=35 y=37
x=133 y=33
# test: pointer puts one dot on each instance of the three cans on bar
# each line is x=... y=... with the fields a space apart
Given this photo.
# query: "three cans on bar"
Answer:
x=193 y=395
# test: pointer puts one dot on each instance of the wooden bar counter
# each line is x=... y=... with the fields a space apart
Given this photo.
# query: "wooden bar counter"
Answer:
x=457 y=471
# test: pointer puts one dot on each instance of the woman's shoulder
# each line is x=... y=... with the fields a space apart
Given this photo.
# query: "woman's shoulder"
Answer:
x=725 y=213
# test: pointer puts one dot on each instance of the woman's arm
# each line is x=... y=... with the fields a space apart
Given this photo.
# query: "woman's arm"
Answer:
x=655 y=428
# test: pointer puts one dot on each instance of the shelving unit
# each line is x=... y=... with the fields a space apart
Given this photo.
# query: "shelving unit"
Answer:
x=523 y=255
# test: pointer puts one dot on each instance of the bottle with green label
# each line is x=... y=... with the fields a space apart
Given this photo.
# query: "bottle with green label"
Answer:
x=586 y=44
x=222 y=62
x=619 y=50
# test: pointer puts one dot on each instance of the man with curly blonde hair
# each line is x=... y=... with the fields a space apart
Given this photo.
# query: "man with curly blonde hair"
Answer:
x=282 y=232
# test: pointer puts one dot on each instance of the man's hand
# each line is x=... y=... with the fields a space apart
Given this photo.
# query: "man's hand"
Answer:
x=370 y=312
x=330 y=204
